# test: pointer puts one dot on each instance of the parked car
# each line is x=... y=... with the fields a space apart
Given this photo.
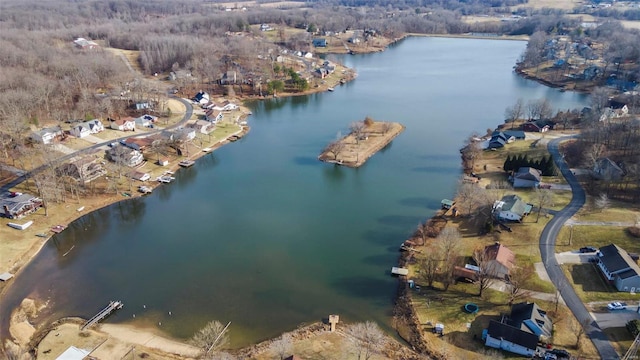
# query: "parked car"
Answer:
x=560 y=353
x=549 y=356
x=588 y=249
x=617 y=306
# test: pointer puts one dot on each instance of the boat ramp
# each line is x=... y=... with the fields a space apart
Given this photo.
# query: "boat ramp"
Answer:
x=113 y=305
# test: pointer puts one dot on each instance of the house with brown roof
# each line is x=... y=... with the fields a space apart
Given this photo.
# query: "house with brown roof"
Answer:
x=501 y=259
x=82 y=170
x=202 y=126
x=139 y=143
x=124 y=124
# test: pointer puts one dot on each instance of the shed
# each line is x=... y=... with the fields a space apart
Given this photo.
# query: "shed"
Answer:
x=5 y=276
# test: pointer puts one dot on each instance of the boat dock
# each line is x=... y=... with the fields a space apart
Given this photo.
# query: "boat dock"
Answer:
x=113 y=305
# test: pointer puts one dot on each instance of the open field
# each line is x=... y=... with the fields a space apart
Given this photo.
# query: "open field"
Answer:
x=617 y=212
x=577 y=236
x=552 y=4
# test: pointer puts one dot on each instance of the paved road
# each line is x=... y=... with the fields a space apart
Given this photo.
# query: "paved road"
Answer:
x=187 y=115
x=547 y=251
x=616 y=318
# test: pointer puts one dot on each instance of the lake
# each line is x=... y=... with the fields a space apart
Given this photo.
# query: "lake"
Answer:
x=262 y=234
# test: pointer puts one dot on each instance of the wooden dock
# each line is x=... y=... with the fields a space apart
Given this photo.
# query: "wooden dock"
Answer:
x=113 y=305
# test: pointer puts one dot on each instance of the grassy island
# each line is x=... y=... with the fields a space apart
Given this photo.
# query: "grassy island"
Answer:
x=365 y=139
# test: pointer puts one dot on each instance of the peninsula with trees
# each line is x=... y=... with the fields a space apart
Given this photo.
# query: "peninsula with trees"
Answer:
x=366 y=138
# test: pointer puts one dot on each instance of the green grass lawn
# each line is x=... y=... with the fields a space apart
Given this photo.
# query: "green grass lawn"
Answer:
x=577 y=236
x=618 y=212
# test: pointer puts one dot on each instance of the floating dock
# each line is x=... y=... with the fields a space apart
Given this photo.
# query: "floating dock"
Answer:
x=113 y=305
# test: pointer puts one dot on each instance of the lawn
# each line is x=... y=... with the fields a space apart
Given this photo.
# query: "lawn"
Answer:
x=618 y=212
x=591 y=286
x=620 y=337
x=577 y=236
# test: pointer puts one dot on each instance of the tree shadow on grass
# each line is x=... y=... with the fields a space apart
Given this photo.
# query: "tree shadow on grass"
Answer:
x=589 y=278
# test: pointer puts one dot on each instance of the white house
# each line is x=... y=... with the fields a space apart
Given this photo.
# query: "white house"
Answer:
x=511 y=207
x=85 y=44
x=184 y=134
x=124 y=124
x=509 y=338
x=201 y=98
x=619 y=268
x=226 y=106
x=47 y=135
x=121 y=154
x=87 y=128
x=145 y=120
x=213 y=115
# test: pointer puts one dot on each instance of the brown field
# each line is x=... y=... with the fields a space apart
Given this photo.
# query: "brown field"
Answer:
x=553 y=4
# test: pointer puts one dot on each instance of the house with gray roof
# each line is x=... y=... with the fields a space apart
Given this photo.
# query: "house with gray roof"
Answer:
x=527 y=177
x=87 y=128
x=619 y=268
x=521 y=331
x=17 y=205
x=47 y=135
x=607 y=169
x=531 y=318
x=511 y=207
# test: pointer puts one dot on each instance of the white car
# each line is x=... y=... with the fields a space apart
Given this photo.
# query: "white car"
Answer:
x=616 y=306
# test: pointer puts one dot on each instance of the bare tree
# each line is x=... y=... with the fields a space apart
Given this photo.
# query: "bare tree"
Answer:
x=335 y=148
x=580 y=328
x=593 y=153
x=488 y=269
x=513 y=113
x=518 y=276
x=14 y=352
x=602 y=202
x=470 y=197
x=428 y=266
x=357 y=130
x=282 y=346
x=470 y=152
x=449 y=243
x=386 y=127
x=211 y=337
x=422 y=232
x=367 y=339
x=544 y=197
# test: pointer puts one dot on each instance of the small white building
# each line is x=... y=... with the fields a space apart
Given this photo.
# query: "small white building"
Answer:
x=87 y=128
x=47 y=135
x=124 y=124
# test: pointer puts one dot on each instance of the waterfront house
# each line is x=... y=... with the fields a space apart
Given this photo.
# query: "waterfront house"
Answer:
x=125 y=124
x=537 y=126
x=607 y=169
x=124 y=155
x=213 y=115
x=82 y=170
x=202 y=126
x=183 y=134
x=511 y=207
x=619 y=268
x=139 y=175
x=500 y=259
x=47 y=135
x=499 y=139
x=516 y=134
x=527 y=177
x=17 y=205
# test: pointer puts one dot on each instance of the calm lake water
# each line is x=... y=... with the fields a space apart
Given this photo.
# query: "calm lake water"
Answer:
x=262 y=234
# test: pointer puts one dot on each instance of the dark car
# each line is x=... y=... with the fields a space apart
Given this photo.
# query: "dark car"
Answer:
x=588 y=249
x=560 y=353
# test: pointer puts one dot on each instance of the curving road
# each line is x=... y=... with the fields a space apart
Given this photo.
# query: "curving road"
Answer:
x=547 y=251
x=15 y=182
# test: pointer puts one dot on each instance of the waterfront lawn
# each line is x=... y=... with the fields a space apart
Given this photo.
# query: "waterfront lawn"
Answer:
x=577 y=236
x=591 y=286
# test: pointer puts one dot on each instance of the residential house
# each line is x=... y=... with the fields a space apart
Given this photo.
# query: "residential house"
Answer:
x=139 y=175
x=607 y=169
x=320 y=42
x=16 y=205
x=226 y=106
x=82 y=170
x=537 y=126
x=516 y=134
x=615 y=110
x=619 y=268
x=138 y=143
x=213 y=115
x=527 y=177
x=521 y=331
x=183 y=134
x=87 y=128
x=508 y=338
x=202 y=126
x=500 y=260
x=265 y=27
x=201 y=98
x=163 y=161
x=84 y=44
x=143 y=106
x=124 y=155
x=229 y=77
x=511 y=207
x=320 y=73
x=145 y=120
x=47 y=135
x=531 y=318
x=125 y=124
x=499 y=139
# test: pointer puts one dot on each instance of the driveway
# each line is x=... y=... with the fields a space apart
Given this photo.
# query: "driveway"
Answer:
x=547 y=252
x=573 y=257
x=616 y=318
